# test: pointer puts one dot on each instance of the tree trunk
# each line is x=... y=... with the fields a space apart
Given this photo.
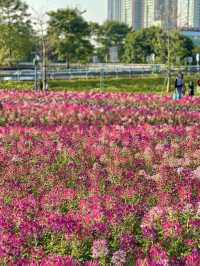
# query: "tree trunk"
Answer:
x=44 y=72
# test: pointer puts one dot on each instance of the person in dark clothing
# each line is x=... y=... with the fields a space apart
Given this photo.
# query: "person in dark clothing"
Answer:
x=41 y=85
x=179 y=85
x=191 y=88
x=1 y=106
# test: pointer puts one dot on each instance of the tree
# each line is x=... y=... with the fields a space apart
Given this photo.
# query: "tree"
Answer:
x=16 y=39
x=111 y=33
x=180 y=47
x=139 y=45
x=68 y=35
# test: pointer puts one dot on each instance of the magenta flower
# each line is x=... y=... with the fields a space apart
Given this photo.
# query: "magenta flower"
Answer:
x=59 y=261
x=172 y=229
x=193 y=259
x=158 y=256
x=79 y=166
x=127 y=242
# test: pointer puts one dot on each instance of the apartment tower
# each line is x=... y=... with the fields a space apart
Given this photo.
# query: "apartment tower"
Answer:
x=115 y=10
x=188 y=14
x=161 y=13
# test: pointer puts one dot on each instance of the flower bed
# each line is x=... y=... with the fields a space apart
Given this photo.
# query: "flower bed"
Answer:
x=99 y=179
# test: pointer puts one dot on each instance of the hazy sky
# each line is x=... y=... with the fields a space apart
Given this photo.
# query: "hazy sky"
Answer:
x=96 y=9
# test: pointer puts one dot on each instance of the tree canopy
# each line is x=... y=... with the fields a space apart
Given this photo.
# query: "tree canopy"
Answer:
x=142 y=44
x=110 y=34
x=16 y=40
x=69 y=35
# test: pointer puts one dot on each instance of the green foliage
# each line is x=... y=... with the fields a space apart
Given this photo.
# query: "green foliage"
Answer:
x=81 y=250
x=152 y=202
x=196 y=50
x=110 y=34
x=16 y=41
x=177 y=248
x=68 y=205
x=142 y=44
x=139 y=45
x=68 y=35
x=61 y=160
x=180 y=47
x=55 y=244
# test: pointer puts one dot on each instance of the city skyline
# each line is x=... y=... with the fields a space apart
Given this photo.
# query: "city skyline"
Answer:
x=164 y=13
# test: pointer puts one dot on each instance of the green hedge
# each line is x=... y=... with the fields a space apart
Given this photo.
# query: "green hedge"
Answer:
x=134 y=84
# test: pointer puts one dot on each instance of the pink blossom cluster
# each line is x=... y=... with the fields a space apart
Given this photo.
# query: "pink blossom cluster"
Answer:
x=98 y=179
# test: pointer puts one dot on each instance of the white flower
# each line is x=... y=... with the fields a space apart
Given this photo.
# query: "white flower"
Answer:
x=196 y=173
x=16 y=159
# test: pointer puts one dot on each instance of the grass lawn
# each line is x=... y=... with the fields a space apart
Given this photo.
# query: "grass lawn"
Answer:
x=153 y=83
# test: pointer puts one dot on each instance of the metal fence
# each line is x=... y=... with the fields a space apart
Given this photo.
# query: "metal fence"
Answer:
x=106 y=70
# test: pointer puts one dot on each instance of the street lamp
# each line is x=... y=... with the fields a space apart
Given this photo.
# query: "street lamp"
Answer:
x=36 y=63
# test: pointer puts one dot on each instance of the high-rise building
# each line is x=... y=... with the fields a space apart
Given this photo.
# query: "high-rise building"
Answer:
x=115 y=10
x=127 y=12
x=150 y=13
x=160 y=12
x=138 y=14
x=146 y=13
x=169 y=15
x=188 y=14
x=132 y=13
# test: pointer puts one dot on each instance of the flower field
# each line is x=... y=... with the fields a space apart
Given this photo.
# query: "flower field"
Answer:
x=99 y=179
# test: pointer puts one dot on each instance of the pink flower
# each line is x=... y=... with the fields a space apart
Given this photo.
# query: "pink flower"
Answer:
x=193 y=259
x=158 y=256
x=91 y=263
x=196 y=173
x=171 y=229
x=99 y=249
x=59 y=261
x=143 y=262
x=119 y=258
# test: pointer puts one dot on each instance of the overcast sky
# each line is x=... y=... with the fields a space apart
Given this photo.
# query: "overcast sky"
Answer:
x=96 y=9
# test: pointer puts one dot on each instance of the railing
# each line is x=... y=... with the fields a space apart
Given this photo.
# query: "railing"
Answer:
x=114 y=71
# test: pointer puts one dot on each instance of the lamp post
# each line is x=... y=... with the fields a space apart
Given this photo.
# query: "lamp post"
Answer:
x=35 y=63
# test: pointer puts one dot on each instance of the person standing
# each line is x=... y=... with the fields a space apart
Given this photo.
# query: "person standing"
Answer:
x=191 y=88
x=179 y=85
x=41 y=85
x=47 y=86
